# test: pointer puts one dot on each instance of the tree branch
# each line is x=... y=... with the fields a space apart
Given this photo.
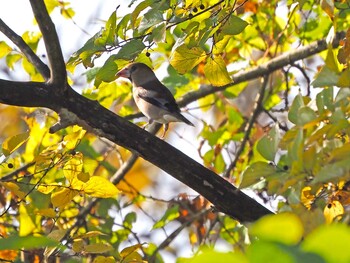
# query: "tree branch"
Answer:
x=52 y=45
x=102 y=122
x=267 y=68
x=26 y=50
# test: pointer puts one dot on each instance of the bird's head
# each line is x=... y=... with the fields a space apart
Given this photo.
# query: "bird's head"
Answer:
x=137 y=73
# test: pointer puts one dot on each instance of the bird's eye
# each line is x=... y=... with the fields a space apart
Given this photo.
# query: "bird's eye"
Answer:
x=133 y=68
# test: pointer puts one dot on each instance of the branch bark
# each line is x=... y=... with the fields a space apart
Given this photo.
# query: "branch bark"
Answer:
x=274 y=64
x=102 y=122
x=52 y=45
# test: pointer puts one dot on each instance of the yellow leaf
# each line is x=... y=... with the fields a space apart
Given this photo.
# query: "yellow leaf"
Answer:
x=98 y=248
x=216 y=72
x=14 y=188
x=4 y=49
x=57 y=235
x=13 y=143
x=332 y=211
x=128 y=250
x=193 y=238
x=100 y=187
x=73 y=167
x=307 y=198
x=73 y=139
x=78 y=245
x=48 y=212
x=328 y=7
x=134 y=257
x=90 y=234
x=102 y=259
x=26 y=224
x=184 y=59
x=46 y=189
x=63 y=197
x=84 y=177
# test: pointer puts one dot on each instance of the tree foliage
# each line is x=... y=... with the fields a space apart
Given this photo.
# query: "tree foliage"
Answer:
x=268 y=85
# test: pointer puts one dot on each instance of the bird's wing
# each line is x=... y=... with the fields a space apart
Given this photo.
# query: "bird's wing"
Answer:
x=157 y=94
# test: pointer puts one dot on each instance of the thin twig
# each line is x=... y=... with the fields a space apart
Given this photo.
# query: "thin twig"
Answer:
x=177 y=231
x=249 y=126
x=16 y=172
x=26 y=50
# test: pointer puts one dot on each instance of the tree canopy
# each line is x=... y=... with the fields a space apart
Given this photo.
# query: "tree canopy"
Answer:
x=267 y=85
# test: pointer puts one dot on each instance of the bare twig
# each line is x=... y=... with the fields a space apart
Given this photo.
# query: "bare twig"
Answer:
x=26 y=50
x=257 y=110
x=176 y=232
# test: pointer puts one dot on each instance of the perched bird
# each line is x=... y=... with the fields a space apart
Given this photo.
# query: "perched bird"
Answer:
x=152 y=98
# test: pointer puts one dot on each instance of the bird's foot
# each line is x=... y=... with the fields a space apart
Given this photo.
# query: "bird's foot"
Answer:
x=166 y=127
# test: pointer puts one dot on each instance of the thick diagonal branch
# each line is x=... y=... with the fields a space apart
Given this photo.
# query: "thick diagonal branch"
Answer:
x=102 y=122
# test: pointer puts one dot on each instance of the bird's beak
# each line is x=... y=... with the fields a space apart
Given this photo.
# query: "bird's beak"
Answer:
x=124 y=73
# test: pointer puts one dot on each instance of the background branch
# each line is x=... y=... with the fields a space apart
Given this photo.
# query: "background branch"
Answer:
x=26 y=50
x=274 y=64
x=249 y=125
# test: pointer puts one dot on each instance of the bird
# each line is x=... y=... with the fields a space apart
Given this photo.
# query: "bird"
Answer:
x=152 y=98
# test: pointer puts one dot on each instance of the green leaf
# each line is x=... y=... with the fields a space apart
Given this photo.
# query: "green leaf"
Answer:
x=255 y=172
x=184 y=59
x=216 y=72
x=171 y=214
x=138 y=9
x=293 y=114
x=28 y=242
x=13 y=143
x=295 y=148
x=272 y=252
x=344 y=79
x=107 y=36
x=209 y=256
x=150 y=19
x=306 y=115
x=129 y=219
x=274 y=228
x=234 y=26
x=107 y=73
x=130 y=50
x=268 y=145
x=331 y=242
x=324 y=100
x=333 y=171
x=86 y=54
x=158 y=32
x=326 y=77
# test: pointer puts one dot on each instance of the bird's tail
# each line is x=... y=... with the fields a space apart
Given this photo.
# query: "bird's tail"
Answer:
x=183 y=119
